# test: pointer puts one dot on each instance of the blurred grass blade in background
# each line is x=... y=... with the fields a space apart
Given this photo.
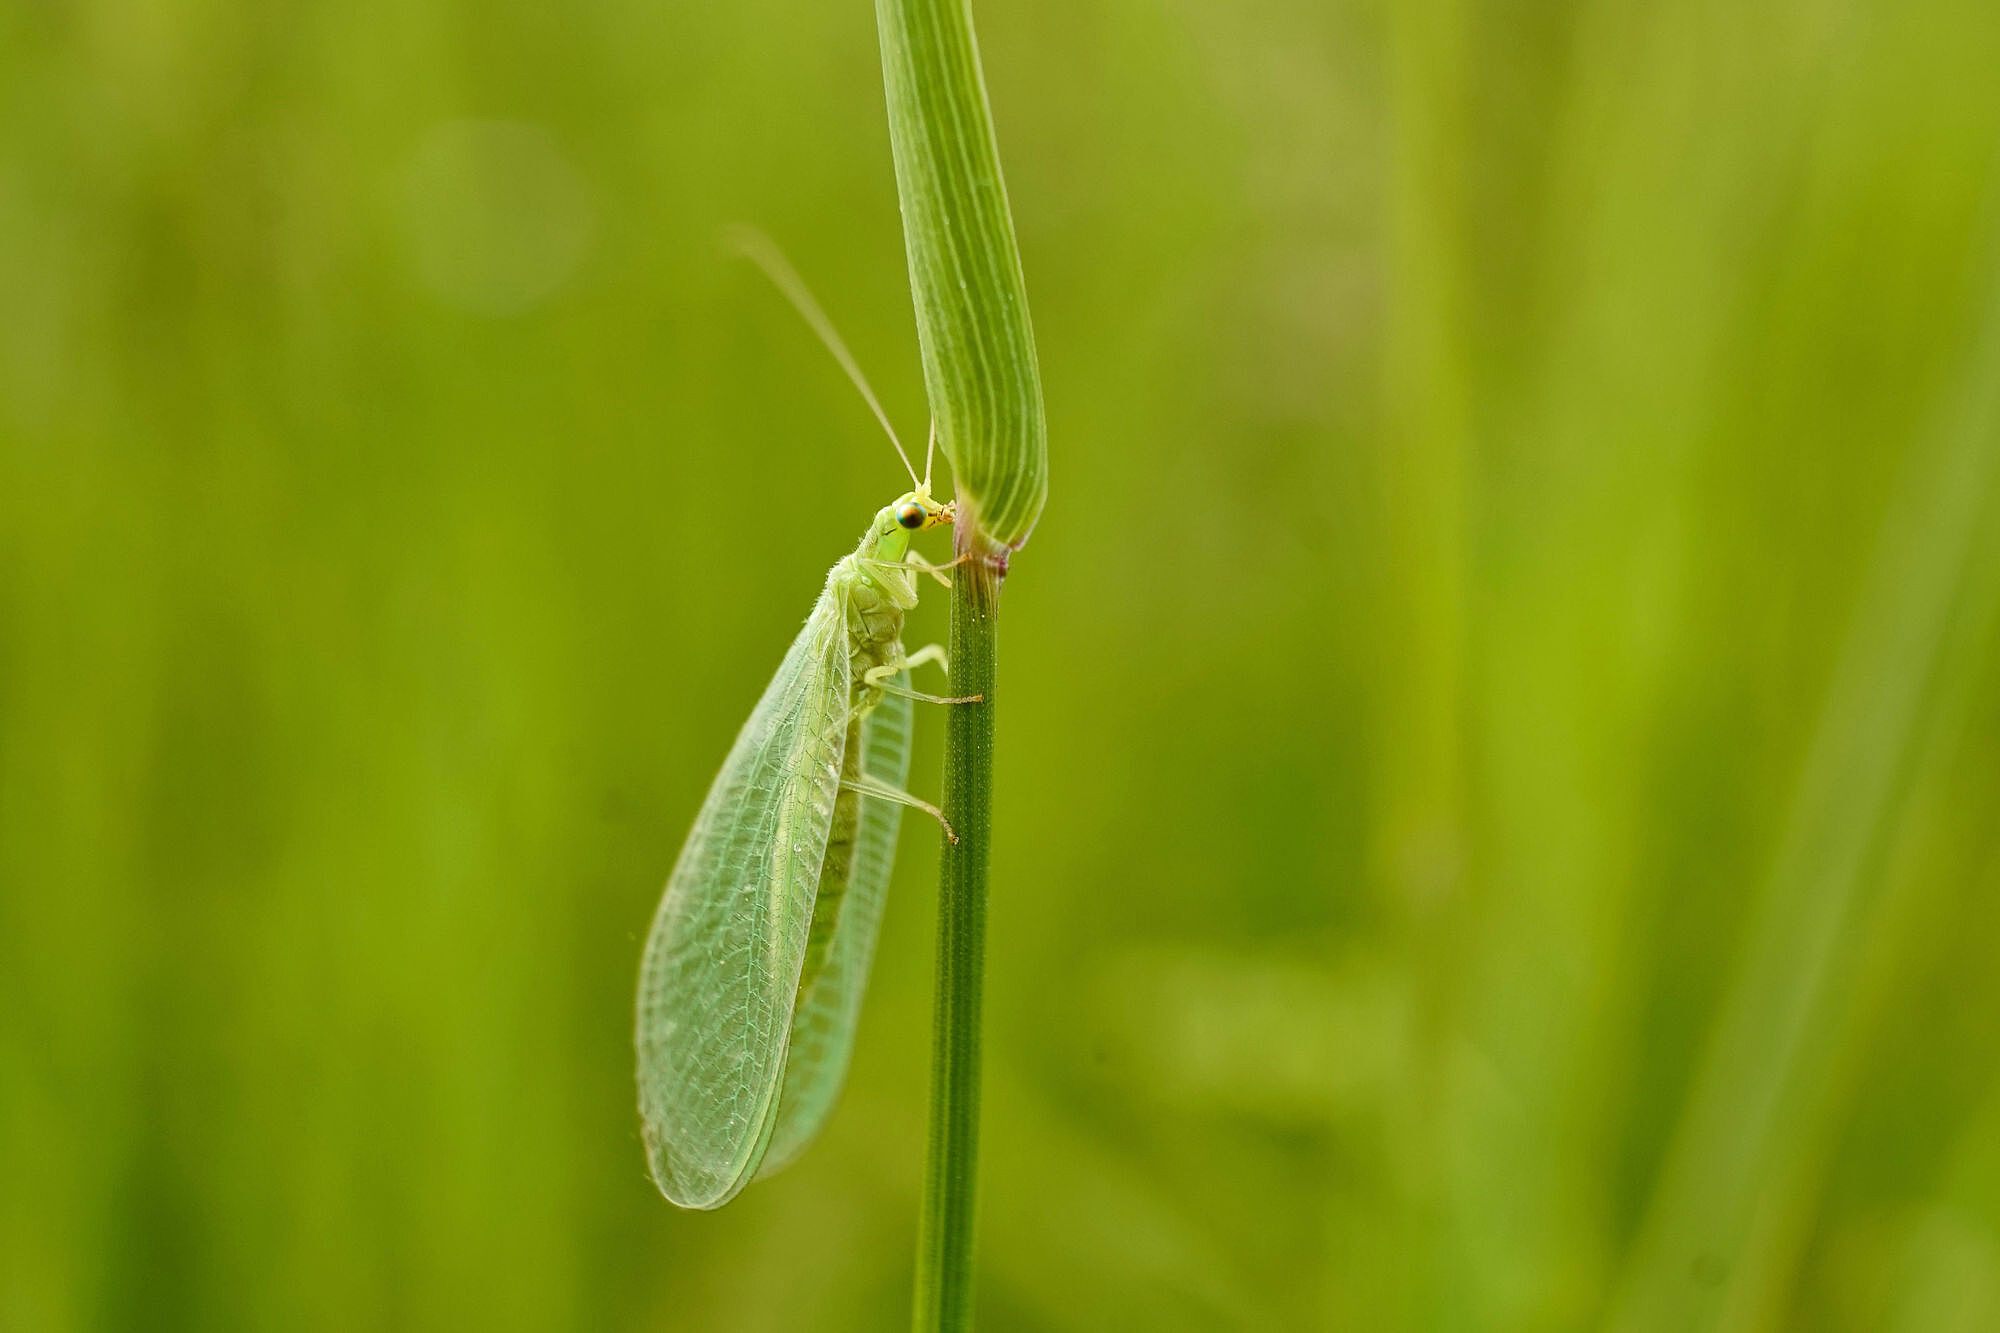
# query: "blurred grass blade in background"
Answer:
x=1734 y=1197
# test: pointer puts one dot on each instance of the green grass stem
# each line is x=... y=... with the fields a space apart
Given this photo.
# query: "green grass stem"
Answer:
x=986 y=400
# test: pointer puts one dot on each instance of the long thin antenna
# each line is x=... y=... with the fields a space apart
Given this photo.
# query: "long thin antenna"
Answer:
x=762 y=251
x=930 y=447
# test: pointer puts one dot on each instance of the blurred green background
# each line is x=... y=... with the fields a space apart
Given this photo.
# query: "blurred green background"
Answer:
x=1500 y=740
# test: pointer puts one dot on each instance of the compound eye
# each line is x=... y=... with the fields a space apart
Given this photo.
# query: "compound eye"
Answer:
x=911 y=515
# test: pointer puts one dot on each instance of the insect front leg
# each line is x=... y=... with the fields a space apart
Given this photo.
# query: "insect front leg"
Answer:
x=924 y=566
x=873 y=786
x=918 y=563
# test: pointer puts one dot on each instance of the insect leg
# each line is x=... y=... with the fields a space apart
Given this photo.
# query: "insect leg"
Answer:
x=923 y=698
x=919 y=564
x=924 y=566
x=880 y=678
x=930 y=652
x=871 y=786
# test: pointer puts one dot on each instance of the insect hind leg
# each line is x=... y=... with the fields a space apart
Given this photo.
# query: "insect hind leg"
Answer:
x=874 y=786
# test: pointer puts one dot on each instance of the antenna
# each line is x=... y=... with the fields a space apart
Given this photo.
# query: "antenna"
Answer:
x=762 y=251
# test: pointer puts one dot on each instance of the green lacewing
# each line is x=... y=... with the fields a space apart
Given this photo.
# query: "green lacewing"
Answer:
x=754 y=968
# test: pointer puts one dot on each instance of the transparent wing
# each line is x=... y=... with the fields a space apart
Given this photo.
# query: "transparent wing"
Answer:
x=723 y=959
x=849 y=914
